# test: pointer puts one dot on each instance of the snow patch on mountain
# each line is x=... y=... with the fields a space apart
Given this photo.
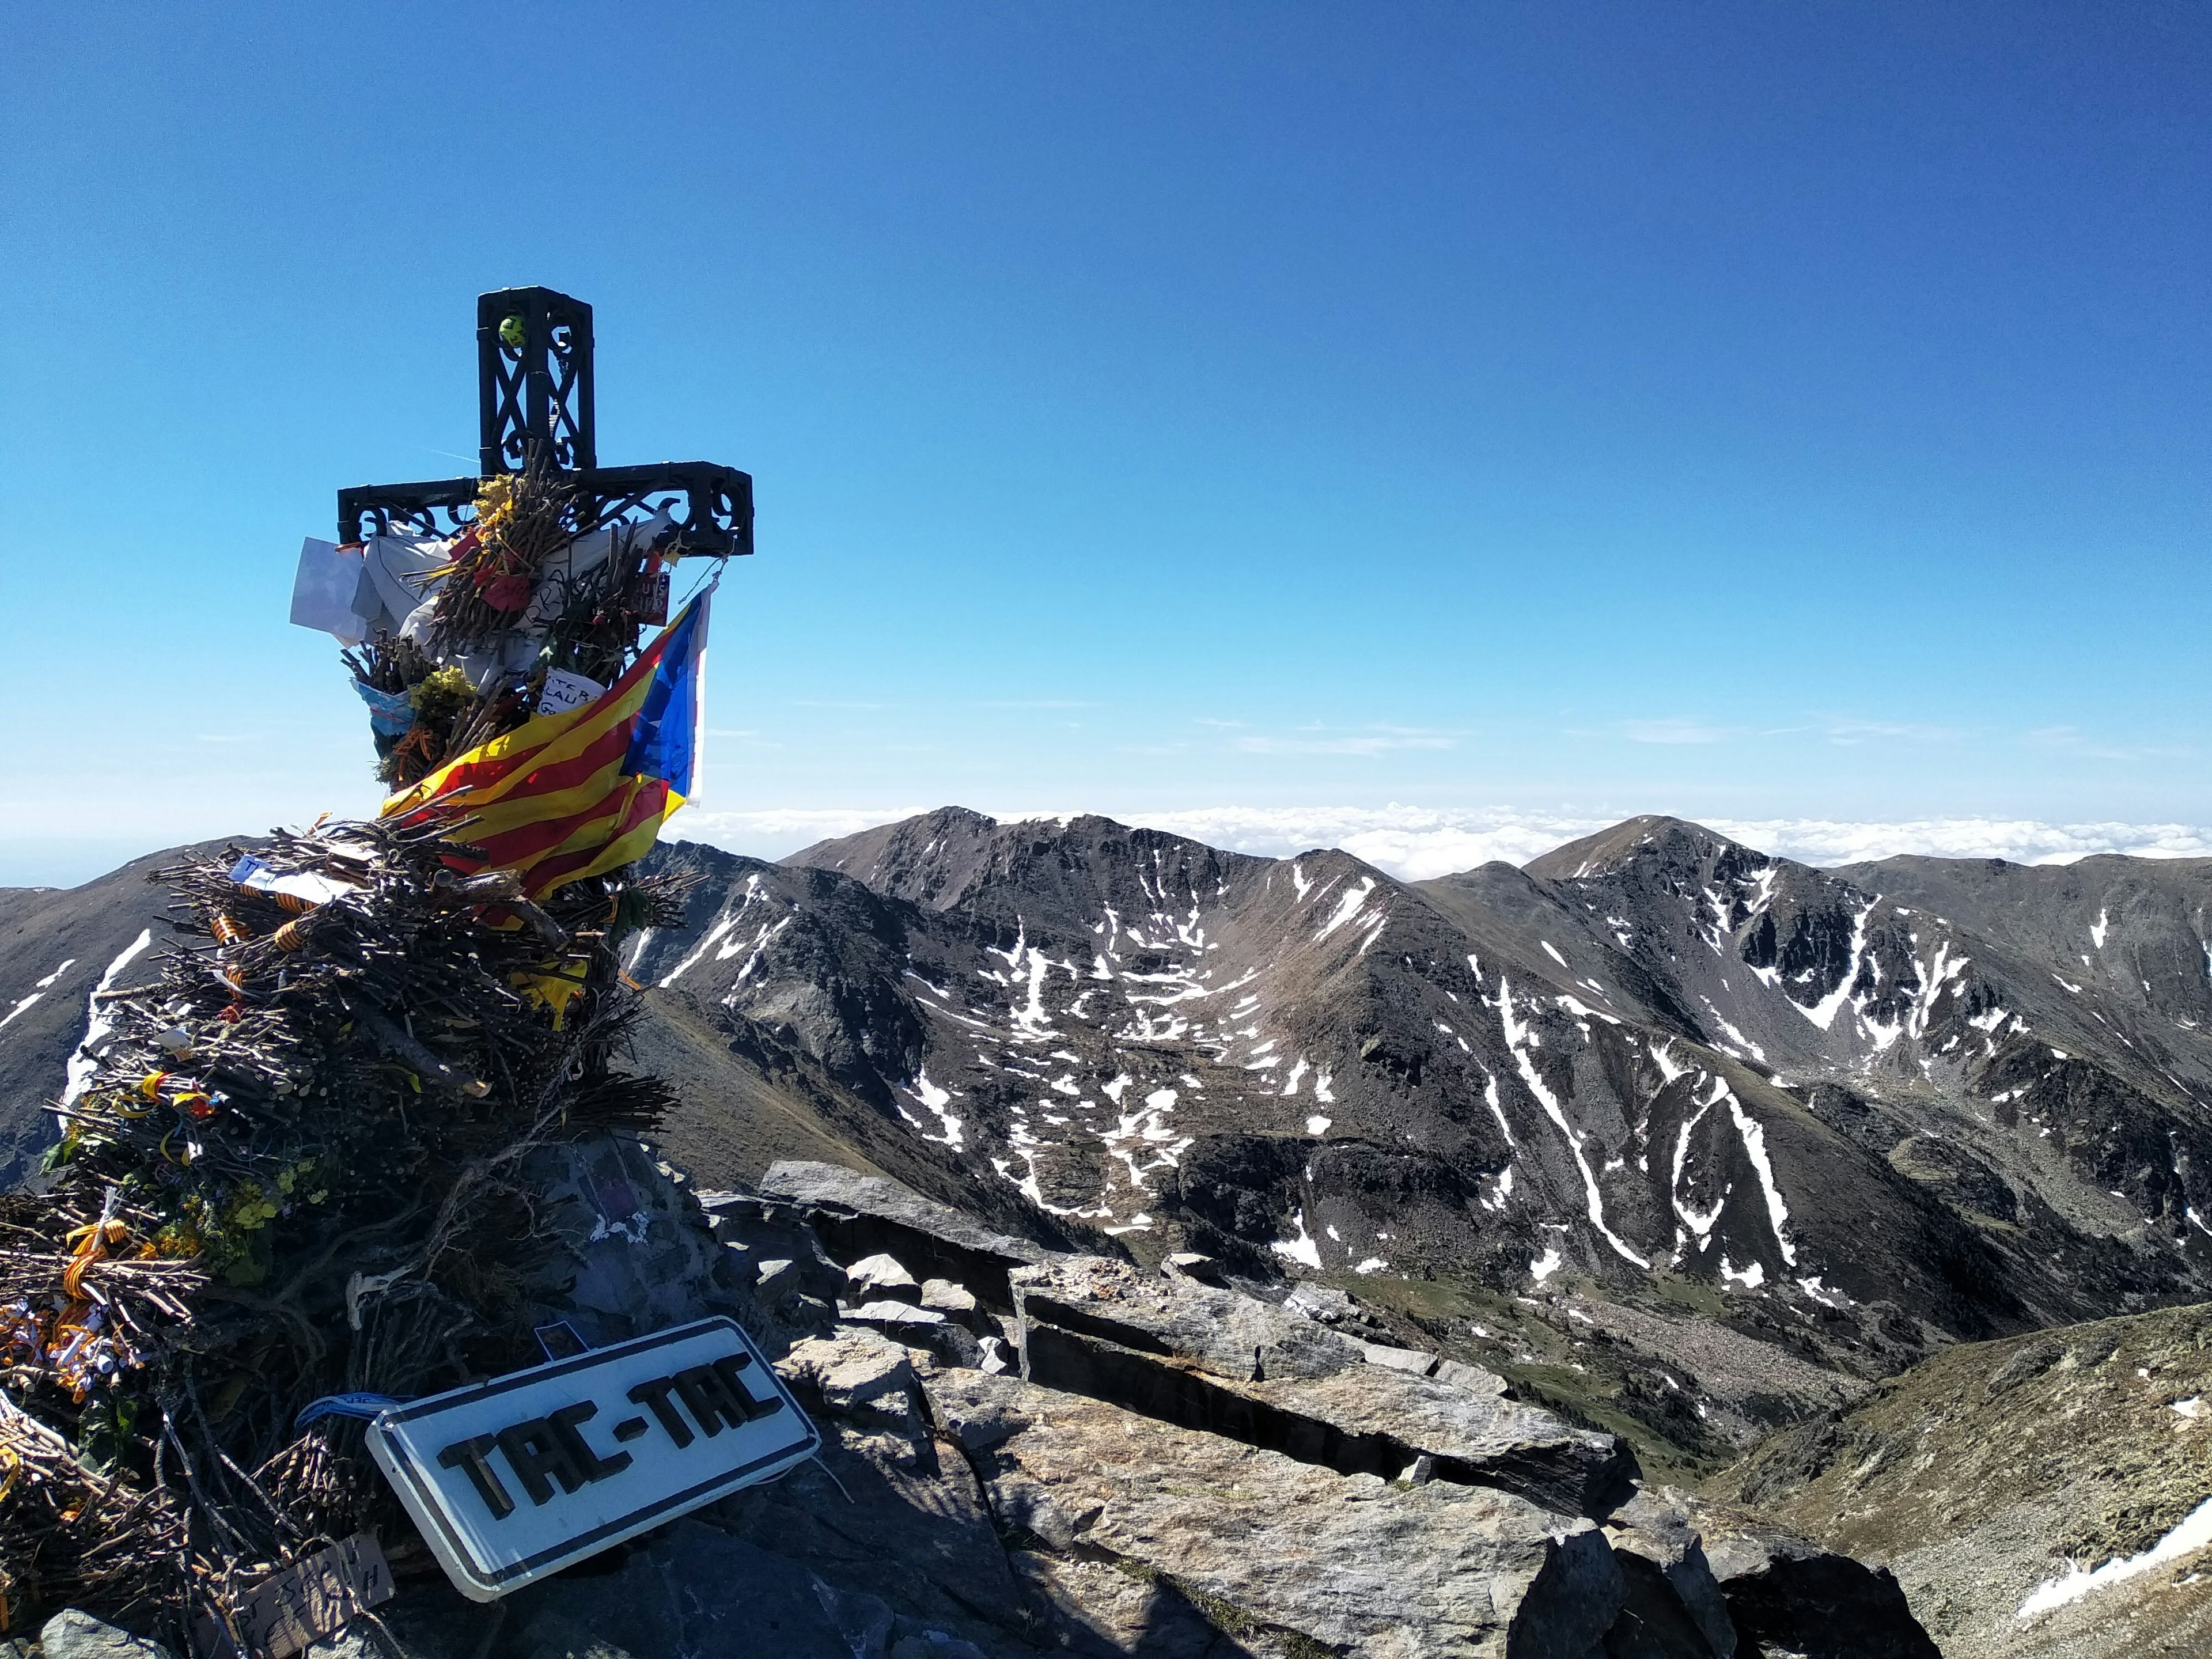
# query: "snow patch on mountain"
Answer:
x=1521 y=1039
x=99 y=1022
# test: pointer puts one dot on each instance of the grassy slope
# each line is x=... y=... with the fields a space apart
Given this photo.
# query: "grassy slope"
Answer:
x=1984 y=1471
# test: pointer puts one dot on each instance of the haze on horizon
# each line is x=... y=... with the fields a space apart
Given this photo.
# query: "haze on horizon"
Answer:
x=1429 y=431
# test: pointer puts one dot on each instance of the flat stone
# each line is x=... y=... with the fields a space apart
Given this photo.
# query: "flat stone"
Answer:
x=892 y=1315
x=1438 y=1570
x=880 y=1274
x=854 y=1373
x=1479 y=1439
x=73 y=1634
x=943 y=1295
x=1228 y=1335
x=1413 y=1361
x=1469 y=1379
x=857 y=1215
x=1227 y=1363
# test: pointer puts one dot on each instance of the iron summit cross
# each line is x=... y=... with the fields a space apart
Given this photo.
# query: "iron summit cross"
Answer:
x=534 y=391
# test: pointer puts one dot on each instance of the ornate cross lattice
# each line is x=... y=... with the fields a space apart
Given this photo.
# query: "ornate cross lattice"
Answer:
x=534 y=388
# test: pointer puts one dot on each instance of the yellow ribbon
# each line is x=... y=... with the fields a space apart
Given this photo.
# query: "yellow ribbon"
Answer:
x=97 y=1236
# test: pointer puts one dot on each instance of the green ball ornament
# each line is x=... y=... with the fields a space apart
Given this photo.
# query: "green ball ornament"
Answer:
x=512 y=334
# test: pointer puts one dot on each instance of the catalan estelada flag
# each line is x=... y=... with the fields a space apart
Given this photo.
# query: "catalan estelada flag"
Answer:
x=566 y=796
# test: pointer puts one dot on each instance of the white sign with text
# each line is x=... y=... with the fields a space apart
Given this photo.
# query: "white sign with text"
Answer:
x=564 y=691
x=515 y=1478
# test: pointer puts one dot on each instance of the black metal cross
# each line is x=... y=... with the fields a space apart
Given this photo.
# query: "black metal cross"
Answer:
x=534 y=388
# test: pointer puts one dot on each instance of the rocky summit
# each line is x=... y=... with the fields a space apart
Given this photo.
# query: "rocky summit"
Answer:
x=1193 y=1248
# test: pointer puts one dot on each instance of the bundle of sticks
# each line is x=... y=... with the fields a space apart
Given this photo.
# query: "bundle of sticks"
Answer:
x=531 y=588
x=291 y=1171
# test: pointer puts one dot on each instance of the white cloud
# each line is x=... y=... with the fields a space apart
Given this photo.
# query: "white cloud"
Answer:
x=1408 y=842
x=2019 y=841
x=1330 y=740
x=1416 y=843
x=1848 y=734
x=1671 y=730
x=779 y=830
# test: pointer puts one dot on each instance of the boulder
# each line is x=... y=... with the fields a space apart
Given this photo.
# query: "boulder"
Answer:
x=881 y=1275
x=637 y=1252
x=953 y=1301
x=1786 y=1594
x=853 y=1373
x=775 y=1275
x=1322 y=1302
x=1675 y=1605
x=773 y=1240
x=1259 y=1540
x=1229 y=1365
x=72 y=1634
x=693 y=1591
x=857 y=1216
x=887 y=1509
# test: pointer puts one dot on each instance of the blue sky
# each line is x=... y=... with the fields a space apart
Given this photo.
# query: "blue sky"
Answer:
x=1753 y=412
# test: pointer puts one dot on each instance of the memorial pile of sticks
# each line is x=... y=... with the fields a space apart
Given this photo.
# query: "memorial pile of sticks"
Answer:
x=290 y=1169
x=531 y=587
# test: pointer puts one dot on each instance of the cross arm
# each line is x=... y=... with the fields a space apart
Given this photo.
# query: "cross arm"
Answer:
x=716 y=516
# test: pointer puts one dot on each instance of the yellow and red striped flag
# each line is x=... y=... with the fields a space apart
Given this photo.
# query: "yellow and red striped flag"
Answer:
x=574 y=794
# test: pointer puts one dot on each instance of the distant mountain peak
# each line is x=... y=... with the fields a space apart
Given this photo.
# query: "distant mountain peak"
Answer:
x=1651 y=838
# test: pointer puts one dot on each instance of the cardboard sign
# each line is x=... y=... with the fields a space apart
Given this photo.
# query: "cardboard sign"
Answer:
x=564 y=691
x=518 y=1477
x=310 y=1598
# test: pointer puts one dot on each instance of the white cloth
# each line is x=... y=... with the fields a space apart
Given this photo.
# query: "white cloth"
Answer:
x=513 y=657
x=397 y=565
x=325 y=590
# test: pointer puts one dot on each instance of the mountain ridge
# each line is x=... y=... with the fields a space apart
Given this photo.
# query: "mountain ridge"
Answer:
x=1686 y=1138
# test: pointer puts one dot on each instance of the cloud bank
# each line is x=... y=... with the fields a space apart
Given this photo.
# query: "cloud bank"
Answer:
x=1415 y=843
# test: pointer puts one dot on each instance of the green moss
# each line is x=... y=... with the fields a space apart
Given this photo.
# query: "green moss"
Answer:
x=1592 y=1400
x=2074 y=1419
x=1427 y=1300
x=1693 y=1295
x=1446 y=1307
x=2158 y=1498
